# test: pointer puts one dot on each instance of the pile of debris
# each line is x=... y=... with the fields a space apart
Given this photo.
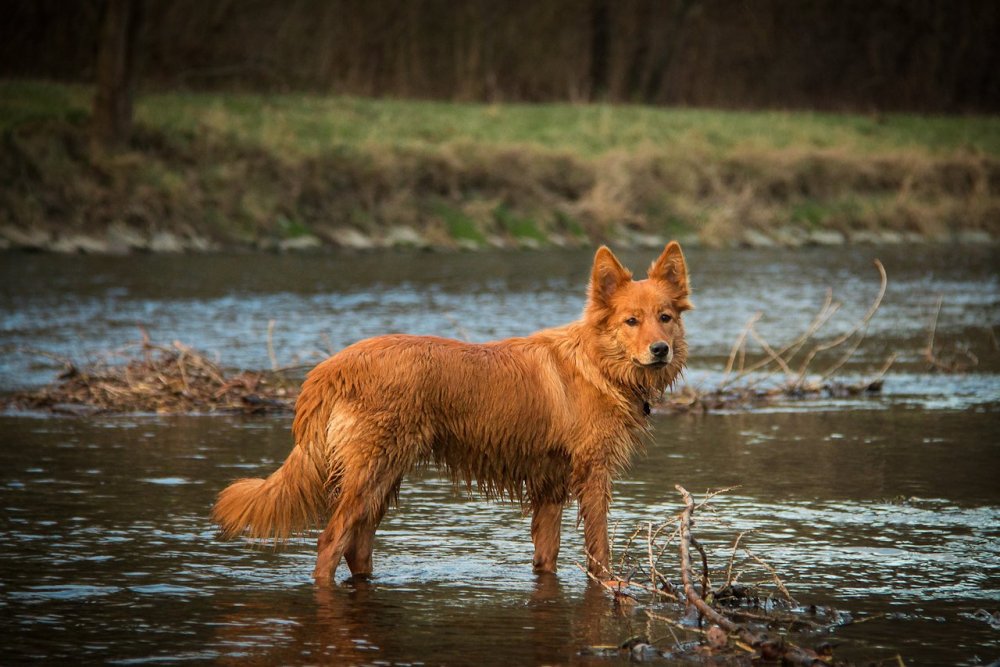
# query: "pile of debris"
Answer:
x=732 y=622
x=146 y=377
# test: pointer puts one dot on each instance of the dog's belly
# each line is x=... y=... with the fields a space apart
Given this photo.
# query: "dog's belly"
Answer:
x=517 y=470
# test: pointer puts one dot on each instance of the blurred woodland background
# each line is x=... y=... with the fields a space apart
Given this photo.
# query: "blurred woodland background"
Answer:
x=153 y=125
x=915 y=55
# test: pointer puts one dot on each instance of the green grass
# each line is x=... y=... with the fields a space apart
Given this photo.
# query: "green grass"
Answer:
x=308 y=124
x=283 y=166
x=291 y=228
x=460 y=226
x=27 y=101
x=816 y=214
x=519 y=227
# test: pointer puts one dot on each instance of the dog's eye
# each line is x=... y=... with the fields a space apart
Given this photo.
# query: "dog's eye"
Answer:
x=631 y=321
x=665 y=318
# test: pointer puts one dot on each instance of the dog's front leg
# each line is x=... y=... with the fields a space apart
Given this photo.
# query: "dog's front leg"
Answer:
x=546 y=520
x=593 y=491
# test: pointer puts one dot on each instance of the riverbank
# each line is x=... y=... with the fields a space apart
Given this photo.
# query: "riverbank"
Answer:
x=296 y=172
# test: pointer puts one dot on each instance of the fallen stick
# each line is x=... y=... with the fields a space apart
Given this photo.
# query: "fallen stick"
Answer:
x=769 y=649
x=774 y=575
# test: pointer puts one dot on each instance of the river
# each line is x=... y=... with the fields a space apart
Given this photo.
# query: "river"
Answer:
x=883 y=507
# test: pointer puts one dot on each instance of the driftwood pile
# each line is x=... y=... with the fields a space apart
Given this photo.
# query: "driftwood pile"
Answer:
x=733 y=622
x=147 y=377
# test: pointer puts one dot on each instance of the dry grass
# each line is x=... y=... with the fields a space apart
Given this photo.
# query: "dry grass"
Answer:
x=258 y=170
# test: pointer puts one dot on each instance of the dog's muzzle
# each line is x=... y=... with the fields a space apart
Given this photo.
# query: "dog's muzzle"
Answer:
x=660 y=355
x=660 y=350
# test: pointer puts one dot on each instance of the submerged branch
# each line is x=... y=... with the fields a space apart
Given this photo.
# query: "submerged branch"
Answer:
x=769 y=648
x=730 y=620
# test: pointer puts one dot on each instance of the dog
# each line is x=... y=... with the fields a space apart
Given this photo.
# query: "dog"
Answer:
x=541 y=419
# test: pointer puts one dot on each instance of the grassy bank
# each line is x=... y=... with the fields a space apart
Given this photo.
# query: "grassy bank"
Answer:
x=297 y=171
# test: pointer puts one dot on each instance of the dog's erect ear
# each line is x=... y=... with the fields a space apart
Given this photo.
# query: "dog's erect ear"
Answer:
x=671 y=269
x=607 y=277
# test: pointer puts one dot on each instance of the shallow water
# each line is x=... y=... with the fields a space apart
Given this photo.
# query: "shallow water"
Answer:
x=878 y=506
x=83 y=306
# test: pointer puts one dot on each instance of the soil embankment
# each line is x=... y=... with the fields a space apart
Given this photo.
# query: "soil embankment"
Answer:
x=209 y=173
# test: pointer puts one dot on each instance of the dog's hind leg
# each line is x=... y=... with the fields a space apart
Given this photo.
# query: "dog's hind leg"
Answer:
x=350 y=533
x=545 y=533
x=358 y=552
x=370 y=463
x=358 y=509
x=333 y=541
x=360 y=545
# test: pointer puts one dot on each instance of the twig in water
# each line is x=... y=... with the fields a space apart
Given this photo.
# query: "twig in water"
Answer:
x=774 y=575
x=739 y=346
x=932 y=357
x=270 y=345
x=769 y=649
x=931 y=331
x=774 y=356
x=791 y=349
x=861 y=325
x=705 y=586
x=732 y=558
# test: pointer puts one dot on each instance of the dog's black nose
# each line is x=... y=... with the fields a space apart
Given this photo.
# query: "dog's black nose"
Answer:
x=659 y=349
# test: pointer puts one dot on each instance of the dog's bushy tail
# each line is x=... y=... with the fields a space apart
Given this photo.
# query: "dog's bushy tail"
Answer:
x=286 y=502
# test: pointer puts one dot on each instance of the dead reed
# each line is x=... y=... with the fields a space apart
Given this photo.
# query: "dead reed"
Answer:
x=788 y=371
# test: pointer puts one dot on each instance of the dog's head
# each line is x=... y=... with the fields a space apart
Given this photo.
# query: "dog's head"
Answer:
x=639 y=321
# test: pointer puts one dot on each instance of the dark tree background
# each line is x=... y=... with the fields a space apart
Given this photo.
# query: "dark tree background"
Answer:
x=117 y=72
x=922 y=55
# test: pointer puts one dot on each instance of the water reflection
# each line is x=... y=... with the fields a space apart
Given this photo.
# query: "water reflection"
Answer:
x=107 y=552
x=363 y=622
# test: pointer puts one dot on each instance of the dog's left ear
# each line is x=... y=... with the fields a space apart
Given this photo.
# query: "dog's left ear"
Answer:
x=671 y=269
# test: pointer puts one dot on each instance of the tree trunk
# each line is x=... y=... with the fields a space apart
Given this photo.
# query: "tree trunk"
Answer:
x=600 y=36
x=116 y=73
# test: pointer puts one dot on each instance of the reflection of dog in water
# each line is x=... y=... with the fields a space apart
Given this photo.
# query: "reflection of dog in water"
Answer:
x=361 y=624
x=543 y=418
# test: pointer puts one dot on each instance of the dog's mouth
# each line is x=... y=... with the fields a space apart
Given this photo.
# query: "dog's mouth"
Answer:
x=654 y=364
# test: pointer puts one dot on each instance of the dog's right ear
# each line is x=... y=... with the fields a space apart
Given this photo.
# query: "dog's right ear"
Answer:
x=607 y=276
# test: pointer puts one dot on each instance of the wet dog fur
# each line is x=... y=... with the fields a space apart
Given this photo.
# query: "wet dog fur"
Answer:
x=543 y=419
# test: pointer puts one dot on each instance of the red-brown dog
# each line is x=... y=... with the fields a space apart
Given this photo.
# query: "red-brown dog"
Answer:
x=542 y=419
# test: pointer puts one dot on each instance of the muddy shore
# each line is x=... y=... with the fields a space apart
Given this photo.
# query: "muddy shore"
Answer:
x=119 y=240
